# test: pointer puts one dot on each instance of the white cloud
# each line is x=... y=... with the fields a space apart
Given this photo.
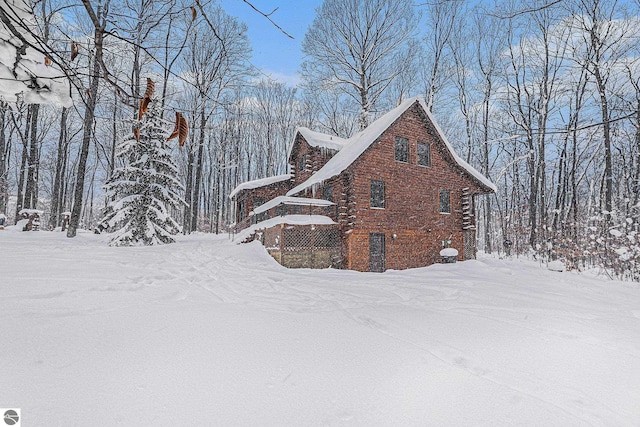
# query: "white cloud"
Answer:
x=292 y=80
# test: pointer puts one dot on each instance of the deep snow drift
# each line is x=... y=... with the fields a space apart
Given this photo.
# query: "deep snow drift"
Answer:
x=207 y=332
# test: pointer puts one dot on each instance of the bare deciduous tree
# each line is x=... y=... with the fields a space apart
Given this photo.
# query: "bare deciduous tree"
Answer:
x=355 y=45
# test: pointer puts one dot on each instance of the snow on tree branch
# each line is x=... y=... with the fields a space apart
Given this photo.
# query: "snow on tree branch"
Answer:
x=26 y=72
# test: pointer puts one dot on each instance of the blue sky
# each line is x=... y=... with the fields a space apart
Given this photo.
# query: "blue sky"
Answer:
x=273 y=52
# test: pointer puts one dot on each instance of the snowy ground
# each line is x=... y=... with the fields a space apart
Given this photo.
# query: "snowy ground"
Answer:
x=205 y=332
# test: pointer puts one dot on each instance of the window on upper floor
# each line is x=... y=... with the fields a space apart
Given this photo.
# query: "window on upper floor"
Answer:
x=402 y=149
x=302 y=162
x=259 y=201
x=327 y=192
x=424 y=154
x=445 y=201
x=377 y=194
x=242 y=214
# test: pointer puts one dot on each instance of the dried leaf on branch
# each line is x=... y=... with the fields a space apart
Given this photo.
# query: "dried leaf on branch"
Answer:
x=183 y=132
x=144 y=106
x=148 y=94
x=176 y=128
x=75 y=47
x=150 y=88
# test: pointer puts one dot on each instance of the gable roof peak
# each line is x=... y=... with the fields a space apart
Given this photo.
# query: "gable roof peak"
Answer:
x=359 y=142
x=317 y=139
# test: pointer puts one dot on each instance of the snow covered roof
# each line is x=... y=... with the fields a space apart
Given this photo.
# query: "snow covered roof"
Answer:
x=286 y=219
x=259 y=183
x=357 y=144
x=320 y=140
x=285 y=200
x=26 y=77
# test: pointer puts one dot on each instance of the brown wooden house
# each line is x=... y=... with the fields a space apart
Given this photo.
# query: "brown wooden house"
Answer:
x=390 y=197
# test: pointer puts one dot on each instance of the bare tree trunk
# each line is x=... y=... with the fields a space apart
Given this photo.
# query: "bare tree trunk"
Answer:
x=574 y=185
x=114 y=139
x=365 y=106
x=23 y=163
x=195 y=201
x=533 y=195
x=57 y=181
x=89 y=115
x=561 y=187
x=636 y=195
x=607 y=197
x=89 y=213
x=64 y=180
x=188 y=193
x=485 y=165
x=5 y=153
x=32 y=160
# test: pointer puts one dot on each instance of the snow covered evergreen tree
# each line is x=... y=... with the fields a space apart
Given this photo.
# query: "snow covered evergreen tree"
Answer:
x=145 y=189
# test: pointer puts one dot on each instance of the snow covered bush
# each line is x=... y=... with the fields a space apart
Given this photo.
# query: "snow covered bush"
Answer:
x=142 y=193
x=614 y=248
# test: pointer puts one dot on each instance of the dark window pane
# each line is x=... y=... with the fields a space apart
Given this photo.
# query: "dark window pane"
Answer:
x=281 y=210
x=424 y=154
x=402 y=149
x=327 y=193
x=445 y=201
x=241 y=211
x=377 y=194
x=257 y=201
x=302 y=162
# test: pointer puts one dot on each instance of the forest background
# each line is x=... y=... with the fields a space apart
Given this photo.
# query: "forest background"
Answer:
x=543 y=97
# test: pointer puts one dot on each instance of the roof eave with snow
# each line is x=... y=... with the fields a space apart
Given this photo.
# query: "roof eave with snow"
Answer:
x=317 y=140
x=287 y=220
x=257 y=183
x=286 y=200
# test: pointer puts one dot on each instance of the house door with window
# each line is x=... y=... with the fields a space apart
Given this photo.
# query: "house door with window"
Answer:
x=376 y=252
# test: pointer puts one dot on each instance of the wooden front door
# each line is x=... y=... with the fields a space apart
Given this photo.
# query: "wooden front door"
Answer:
x=376 y=252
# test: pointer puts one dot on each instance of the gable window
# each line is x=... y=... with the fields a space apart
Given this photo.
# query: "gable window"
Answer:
x=445 y=201
x=377 y=194
x=258 y=201
x=402 y=149
x=302 y=162
x=241 y=211
x=327 y=193
x=424 y=154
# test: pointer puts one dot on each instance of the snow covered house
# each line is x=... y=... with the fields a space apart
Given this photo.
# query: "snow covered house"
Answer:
x=390 y=197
